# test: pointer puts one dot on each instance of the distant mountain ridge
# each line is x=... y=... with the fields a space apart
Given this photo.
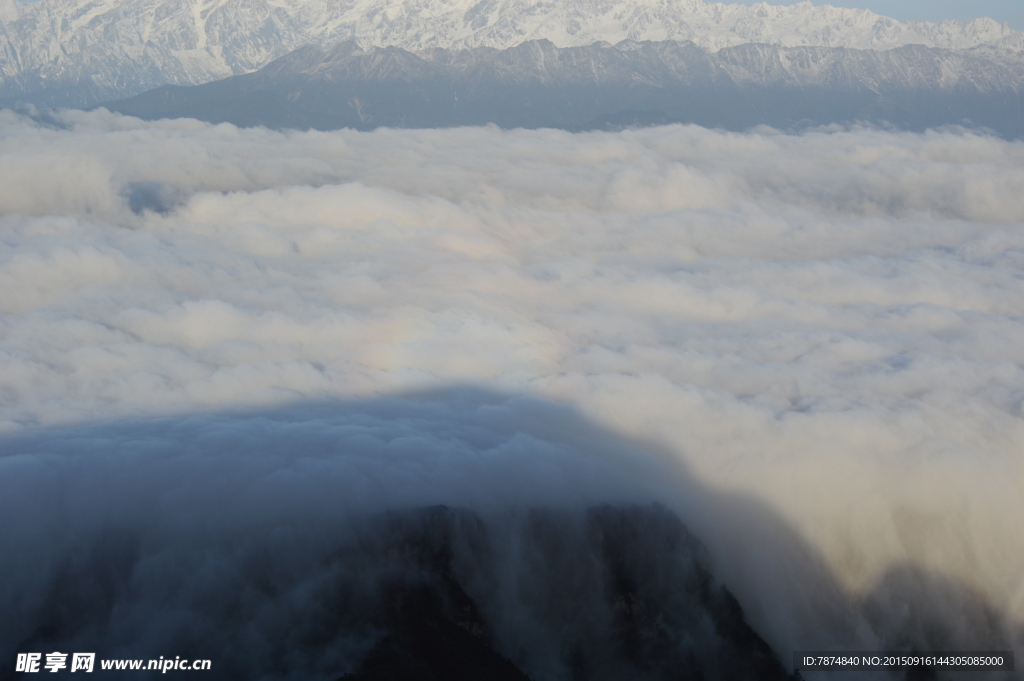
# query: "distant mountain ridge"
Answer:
x=79 y=52
x=537 y=84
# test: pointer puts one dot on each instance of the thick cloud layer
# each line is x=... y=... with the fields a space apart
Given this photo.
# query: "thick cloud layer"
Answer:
x=827 y=326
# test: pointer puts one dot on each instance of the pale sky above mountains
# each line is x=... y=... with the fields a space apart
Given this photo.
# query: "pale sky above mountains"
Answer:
x=1005 y=11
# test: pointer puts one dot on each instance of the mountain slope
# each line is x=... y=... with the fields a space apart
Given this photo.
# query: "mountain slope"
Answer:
x=539 y=85
x=78 y=52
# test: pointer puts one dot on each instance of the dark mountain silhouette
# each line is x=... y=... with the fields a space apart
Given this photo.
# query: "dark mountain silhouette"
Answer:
x=225 y=536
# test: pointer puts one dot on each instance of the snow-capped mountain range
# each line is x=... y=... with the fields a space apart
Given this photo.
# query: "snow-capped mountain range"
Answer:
x=78 y=52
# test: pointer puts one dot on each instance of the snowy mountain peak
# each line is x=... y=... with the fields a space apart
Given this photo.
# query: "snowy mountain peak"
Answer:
x=119 y=47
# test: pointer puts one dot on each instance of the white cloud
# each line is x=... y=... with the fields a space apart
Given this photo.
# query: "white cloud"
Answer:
x=827 y=323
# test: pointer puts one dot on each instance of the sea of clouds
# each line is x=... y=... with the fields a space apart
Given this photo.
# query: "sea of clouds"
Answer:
x=811 y=347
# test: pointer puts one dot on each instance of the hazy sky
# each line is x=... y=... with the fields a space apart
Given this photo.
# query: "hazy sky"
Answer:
x=1006 y=11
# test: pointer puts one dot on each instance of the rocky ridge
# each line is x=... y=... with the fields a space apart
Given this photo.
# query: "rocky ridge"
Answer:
x=537 y=84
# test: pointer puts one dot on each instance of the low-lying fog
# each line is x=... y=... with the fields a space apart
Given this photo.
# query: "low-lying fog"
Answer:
x=827 y=327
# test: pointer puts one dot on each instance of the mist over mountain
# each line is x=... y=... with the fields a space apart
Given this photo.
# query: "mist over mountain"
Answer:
x=310 y=577
x=80 y=52
x=603 y=86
